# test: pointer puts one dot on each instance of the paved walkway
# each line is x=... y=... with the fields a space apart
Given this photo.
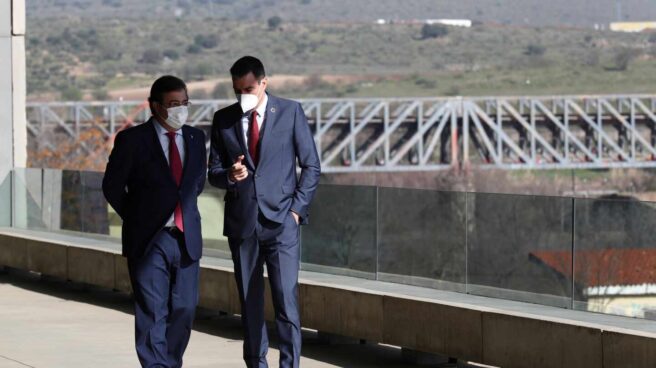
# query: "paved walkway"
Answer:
x=52 y=324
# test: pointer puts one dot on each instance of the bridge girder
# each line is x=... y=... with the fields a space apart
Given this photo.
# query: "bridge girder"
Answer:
x=422 y=134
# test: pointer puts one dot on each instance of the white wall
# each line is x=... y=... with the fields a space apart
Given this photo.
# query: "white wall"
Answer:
x=13 y=133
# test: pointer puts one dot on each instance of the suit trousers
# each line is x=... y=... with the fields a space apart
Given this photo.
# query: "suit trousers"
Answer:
x=165 y=285
x=277 y=245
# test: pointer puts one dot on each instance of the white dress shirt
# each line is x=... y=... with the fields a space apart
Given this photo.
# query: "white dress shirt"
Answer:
x=165 y=142
x=246 y=118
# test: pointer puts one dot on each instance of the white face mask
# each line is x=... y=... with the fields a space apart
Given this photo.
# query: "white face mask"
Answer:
x=177 y=116
x=247 y=102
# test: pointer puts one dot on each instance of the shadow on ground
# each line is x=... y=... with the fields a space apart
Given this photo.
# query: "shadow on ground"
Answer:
x=347 y=354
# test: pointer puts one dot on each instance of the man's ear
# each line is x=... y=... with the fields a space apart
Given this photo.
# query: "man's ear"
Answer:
x=151 y=104
x=154 y=111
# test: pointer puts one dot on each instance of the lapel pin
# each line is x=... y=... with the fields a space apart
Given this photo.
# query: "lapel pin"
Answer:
x=273 y=109
x=191 y=136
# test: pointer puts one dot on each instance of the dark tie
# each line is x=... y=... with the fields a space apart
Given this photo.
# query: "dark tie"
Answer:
x=175 y=163
x=254 y=139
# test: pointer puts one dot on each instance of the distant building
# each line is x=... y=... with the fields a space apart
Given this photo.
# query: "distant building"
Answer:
x=613 y=281
x=466 y=23
x=451 y=22
x=632 y=26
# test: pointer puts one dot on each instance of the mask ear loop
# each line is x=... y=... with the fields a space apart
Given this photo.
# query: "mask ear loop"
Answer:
x=263 y=89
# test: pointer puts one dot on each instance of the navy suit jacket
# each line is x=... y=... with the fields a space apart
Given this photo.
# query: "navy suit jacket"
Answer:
x=272 y=187
x=139 y=185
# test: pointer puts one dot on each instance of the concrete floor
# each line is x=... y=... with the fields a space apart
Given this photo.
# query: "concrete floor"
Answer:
x=51 y=323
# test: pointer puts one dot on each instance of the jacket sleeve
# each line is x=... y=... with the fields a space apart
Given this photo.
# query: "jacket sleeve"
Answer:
x=219 y=162
x=308 y=159
x=117 y=174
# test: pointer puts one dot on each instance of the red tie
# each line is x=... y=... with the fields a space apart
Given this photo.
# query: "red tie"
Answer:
x=176 y=169
x=254 y=139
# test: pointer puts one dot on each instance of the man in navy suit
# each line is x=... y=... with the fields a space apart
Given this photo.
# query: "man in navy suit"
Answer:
x=255 y=146
x=153 y=178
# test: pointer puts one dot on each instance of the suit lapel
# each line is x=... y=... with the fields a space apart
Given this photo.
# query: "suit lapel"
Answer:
x=271 y=117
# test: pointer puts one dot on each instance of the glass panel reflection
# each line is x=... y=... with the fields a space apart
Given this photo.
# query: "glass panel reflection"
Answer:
x=615 y=256
x=422 y=237
x=519 y=247
x=341 y=236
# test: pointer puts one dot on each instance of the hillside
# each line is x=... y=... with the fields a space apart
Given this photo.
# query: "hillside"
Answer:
x=69 y=56
x=578 y=13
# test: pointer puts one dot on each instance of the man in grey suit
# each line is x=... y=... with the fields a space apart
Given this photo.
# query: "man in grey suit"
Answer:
x=255 y=146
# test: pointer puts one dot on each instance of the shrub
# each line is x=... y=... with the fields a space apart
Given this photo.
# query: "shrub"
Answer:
x=652 y=37
x=274 y=22
x=206 y=41
x=622 y=59
x=193 y=49
x=171 y=54
x=71 y=93
x=222 y=90
x=151 y=56
x=434 y=31
x=535 y=50
x=100 y=95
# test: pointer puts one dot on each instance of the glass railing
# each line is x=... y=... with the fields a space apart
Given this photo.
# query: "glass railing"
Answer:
x=5 y=200
x=596 y=255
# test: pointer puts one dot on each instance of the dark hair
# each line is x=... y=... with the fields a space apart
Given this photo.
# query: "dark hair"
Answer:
x=248 y=64
x=165 y=84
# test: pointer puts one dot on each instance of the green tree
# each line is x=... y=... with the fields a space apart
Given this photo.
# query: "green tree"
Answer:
x=222 y=90
x=204 y=69
x=194 y=49
x=652 y=37
x=622 y=59
x=171 y=54
x=274 y=22
x=434 y=31
x=71 y=93
x=198 y=94
x=206 y=41
x=100 y=95
x=112 y=3
x=151 y=56
x=535 y=50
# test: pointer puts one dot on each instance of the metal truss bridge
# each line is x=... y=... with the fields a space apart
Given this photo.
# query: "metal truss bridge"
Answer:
x=421 y=134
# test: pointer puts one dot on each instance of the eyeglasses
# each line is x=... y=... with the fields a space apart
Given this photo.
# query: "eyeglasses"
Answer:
x=176 y=104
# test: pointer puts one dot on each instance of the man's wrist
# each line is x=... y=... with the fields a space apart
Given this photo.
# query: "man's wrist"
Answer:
x=297 y=217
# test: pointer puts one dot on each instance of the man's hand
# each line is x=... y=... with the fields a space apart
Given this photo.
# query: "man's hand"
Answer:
x=238 y=171
x=296 y=217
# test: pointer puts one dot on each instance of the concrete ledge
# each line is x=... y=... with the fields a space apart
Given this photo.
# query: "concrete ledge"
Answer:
x=121 y=274
x=622 y=351
x=442 y=329
x=91 y=266
x=342 y=312
x=47 y=258
x=13 y=252
x=486 y=330
x=512 y=341
x=218 y=290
